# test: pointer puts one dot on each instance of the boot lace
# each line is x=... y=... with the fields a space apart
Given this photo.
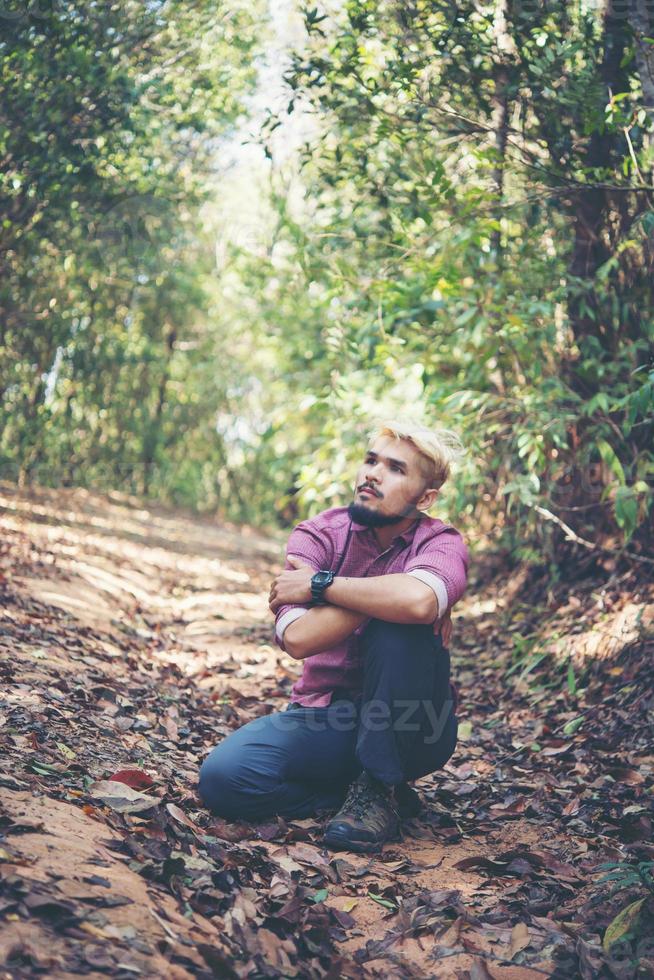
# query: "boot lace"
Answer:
x=360 y=795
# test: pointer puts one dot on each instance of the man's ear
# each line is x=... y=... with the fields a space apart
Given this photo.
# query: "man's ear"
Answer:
x=428 y=499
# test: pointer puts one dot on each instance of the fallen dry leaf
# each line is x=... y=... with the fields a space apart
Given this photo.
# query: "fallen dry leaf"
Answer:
x=121 y=797
x=135 y=778
x=519 y=938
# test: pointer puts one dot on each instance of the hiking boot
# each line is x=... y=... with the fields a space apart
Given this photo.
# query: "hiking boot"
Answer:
x=407 y=801
x=367 y=818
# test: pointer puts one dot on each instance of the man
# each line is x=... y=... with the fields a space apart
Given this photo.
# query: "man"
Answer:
x=364 y=601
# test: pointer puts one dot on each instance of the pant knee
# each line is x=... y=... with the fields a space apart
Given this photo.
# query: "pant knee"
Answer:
x=237 y=789
x=433 y=757
x=382 y=637
x=228 y=788
x=217 y=786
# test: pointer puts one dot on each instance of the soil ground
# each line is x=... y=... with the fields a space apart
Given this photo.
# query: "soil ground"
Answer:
x=134 y=638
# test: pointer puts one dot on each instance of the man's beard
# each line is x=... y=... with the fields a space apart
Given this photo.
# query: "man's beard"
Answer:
x=361 y=514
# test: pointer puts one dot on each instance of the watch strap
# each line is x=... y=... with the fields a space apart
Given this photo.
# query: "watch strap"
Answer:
x=318 y=588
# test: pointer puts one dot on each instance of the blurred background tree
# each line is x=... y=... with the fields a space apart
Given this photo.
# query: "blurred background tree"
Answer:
x=108 y=133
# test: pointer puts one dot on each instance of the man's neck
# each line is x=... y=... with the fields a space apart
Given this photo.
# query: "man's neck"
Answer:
x=386 y=535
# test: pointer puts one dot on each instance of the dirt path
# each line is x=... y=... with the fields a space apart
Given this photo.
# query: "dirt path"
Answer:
x=134 y=639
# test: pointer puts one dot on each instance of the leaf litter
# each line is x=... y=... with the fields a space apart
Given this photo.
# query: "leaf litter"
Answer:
x=109 y=865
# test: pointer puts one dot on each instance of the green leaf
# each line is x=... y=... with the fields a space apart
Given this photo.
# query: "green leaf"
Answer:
x=624 y=923
x=573 y=726
x=320 y=896
x=611 y=460
x=572 y=681
x=66 y=751
x=465 y=730
x=44 y=768
x=626 y=510
x=382 y=901
x=466 y=316
x=600 y=400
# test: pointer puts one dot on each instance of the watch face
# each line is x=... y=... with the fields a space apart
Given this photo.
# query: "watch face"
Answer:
x=321 y=578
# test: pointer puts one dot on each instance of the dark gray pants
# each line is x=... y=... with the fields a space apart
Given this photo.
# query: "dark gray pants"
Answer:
x=301 y=760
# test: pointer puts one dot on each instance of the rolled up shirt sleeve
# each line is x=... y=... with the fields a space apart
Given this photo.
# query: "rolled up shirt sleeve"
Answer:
x=309 y=546
x=442 y=564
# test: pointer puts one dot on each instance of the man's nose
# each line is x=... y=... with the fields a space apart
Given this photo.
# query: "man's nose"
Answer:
x=373 y=473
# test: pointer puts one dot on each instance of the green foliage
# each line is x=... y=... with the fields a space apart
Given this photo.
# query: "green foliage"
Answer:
x=107 y=134
x=634 y=921
x=467 y=240
x=474 y=251
x=624 y=875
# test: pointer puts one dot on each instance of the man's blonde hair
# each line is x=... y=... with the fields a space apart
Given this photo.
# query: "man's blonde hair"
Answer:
x=439 y=447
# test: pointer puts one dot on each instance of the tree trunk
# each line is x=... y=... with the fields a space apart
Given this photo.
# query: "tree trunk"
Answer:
x=151 y=440
x=505 y=53
x=642 y=25
x=594 y=239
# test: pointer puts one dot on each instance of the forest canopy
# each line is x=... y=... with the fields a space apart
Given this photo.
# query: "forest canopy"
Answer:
x=465 y=236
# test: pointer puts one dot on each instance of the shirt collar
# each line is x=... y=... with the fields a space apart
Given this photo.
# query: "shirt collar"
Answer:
x=405 y=537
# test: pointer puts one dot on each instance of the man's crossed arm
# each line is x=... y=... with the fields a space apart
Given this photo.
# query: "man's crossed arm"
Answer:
x=395 y=598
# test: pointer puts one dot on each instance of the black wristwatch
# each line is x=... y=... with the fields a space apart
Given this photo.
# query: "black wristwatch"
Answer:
x=319 y=582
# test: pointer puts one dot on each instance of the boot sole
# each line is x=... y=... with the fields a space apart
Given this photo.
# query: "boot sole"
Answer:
x=336 y=841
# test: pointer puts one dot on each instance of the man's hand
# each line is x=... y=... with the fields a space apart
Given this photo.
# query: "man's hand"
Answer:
x=446 y=628
x=292 y=586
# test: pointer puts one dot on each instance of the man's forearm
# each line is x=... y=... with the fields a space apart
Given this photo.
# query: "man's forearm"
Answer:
x=320 y=629
x=395 y=598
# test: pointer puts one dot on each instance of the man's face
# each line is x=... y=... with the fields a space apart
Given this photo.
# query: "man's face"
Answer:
x=389 y=483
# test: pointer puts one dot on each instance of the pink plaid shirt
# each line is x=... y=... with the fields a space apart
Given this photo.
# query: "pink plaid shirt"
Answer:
x=431 y=550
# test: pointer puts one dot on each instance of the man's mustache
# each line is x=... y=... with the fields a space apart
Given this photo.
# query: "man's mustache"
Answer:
x=366 y=486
